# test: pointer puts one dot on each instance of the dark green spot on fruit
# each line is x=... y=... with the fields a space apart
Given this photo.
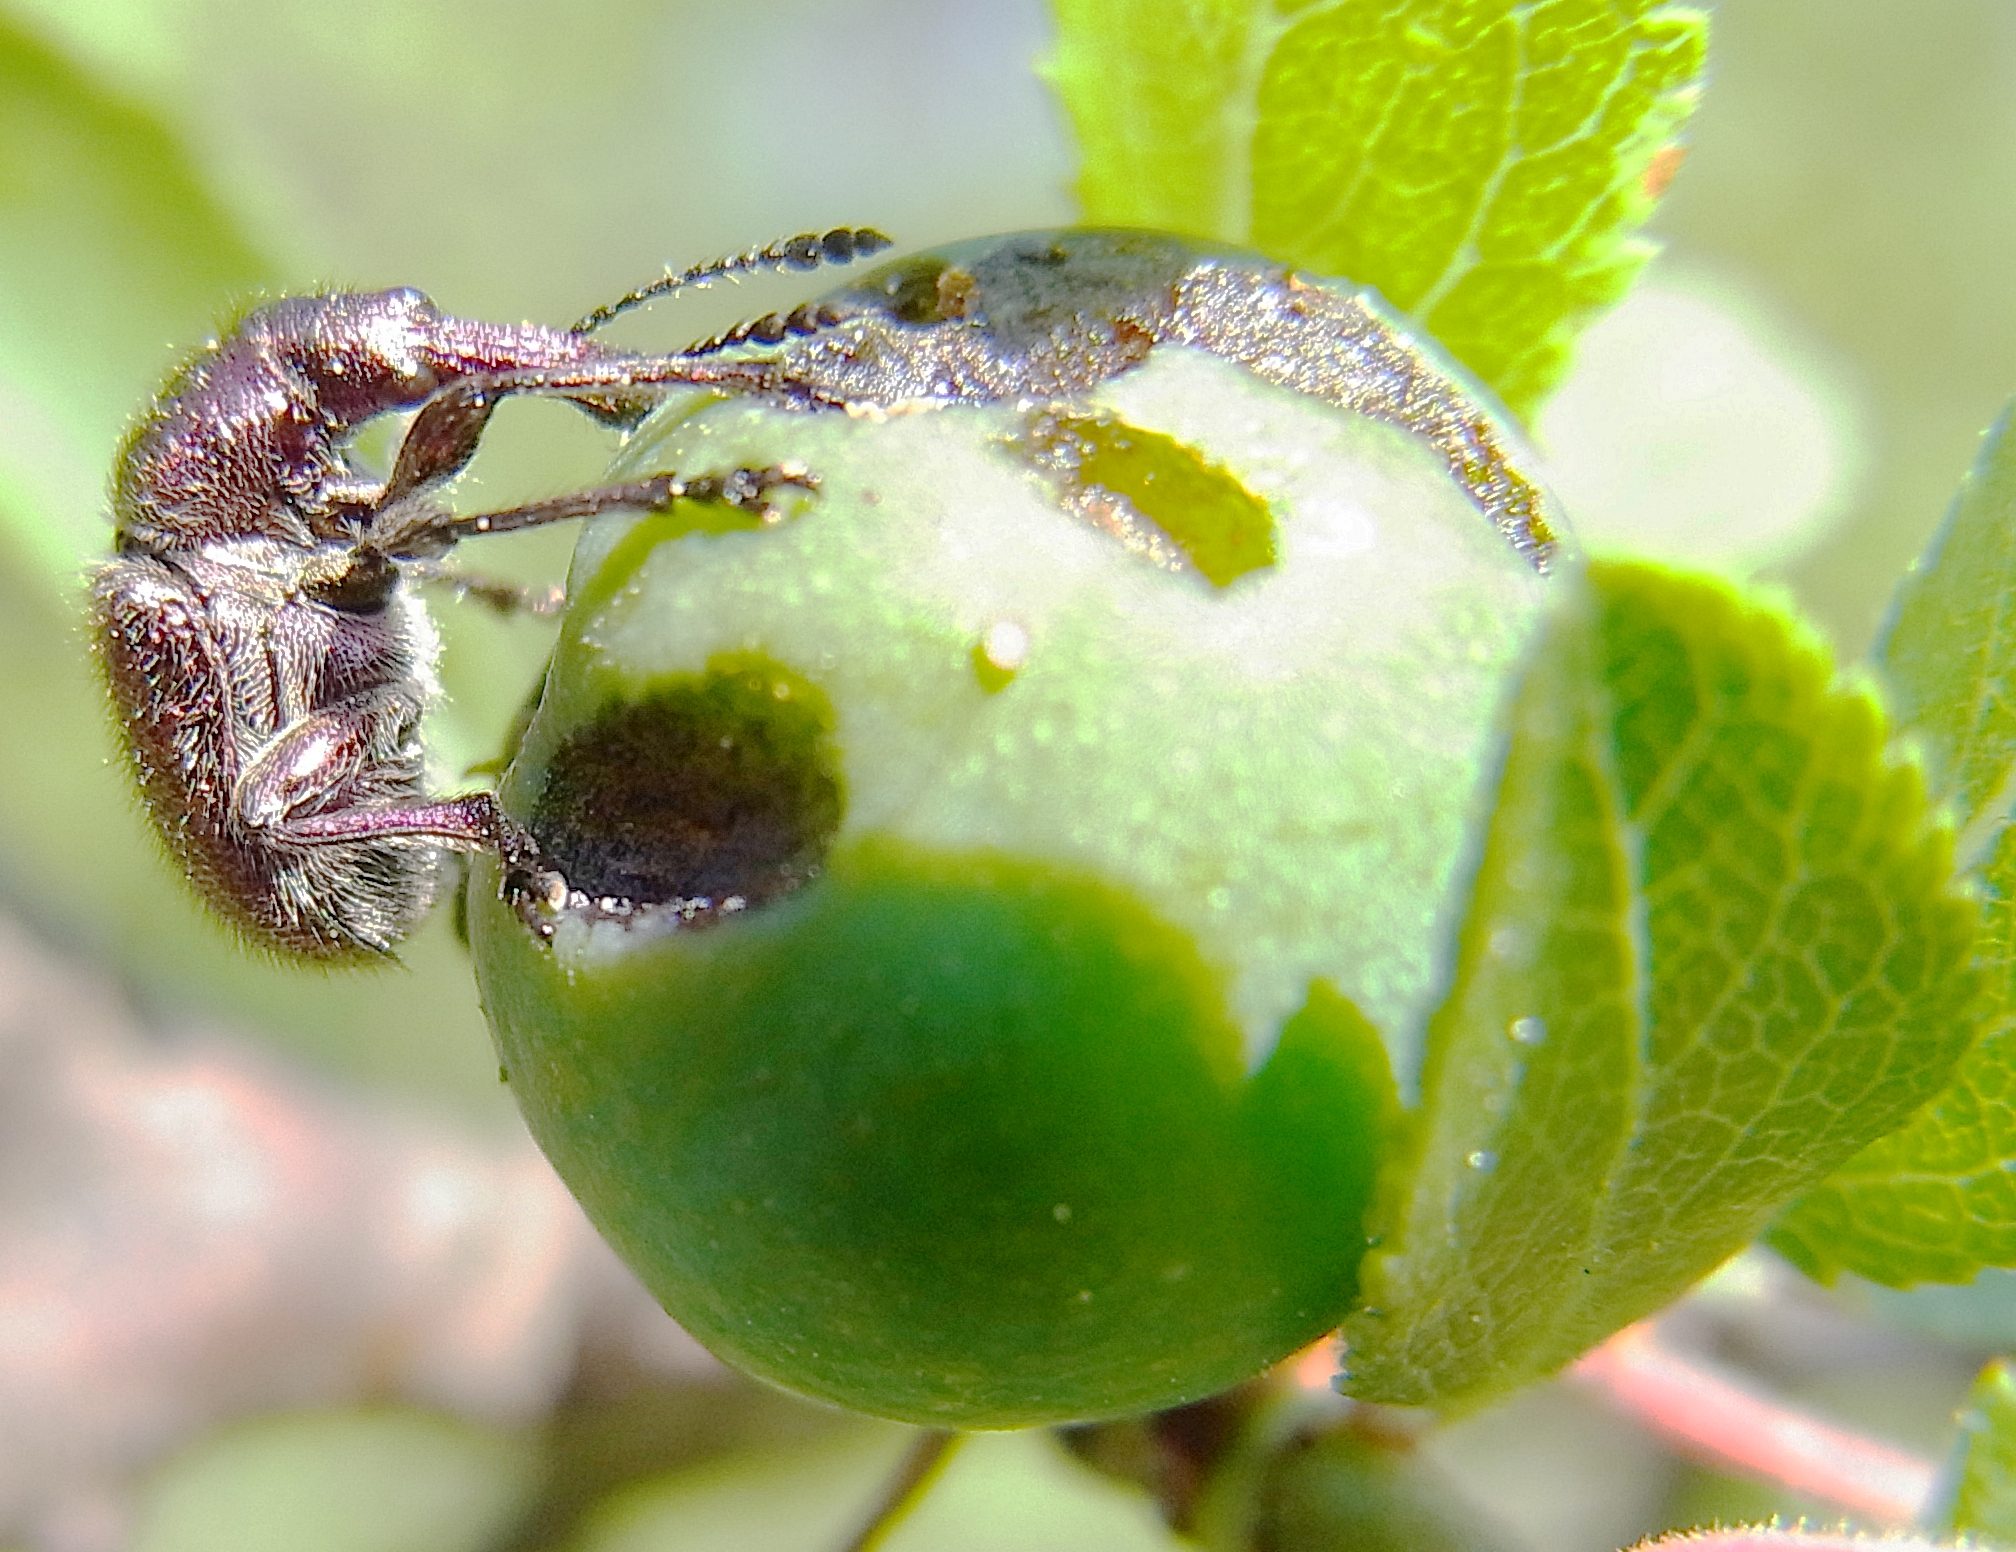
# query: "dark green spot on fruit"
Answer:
x=712 y=792
x=835 y=1144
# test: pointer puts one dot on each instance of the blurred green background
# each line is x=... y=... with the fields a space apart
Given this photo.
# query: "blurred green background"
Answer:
x=1845 y=209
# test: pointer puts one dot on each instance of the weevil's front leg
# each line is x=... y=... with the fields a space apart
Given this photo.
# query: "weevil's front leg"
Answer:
x=442 y=438
x=421 y=531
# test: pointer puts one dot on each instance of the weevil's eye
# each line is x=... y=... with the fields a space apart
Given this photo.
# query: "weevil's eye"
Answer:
x=362 y=585
x=402 y=323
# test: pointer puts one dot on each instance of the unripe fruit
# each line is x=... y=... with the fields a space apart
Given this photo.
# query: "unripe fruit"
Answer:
x=991 y=881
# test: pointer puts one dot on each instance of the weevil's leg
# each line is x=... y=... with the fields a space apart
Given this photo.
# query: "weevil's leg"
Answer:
x=749 y=489
x=314 y=759
x=472 y=822
x=505 y=598
x=321 y=779
x=618 y=389
x=442 y=438
x=426 y=531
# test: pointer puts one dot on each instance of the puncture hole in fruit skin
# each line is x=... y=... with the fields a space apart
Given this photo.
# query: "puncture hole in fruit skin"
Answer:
x=707 y=795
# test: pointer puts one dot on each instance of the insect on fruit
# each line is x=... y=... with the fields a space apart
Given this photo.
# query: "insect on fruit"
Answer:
x=265 y=654
x=1021 y=335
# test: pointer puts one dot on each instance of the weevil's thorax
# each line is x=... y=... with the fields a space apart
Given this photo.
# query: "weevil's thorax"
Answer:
x=321 y=624
x=282 y=631
x=210 y=654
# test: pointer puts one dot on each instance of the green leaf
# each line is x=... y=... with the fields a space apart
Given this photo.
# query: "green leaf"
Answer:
x=110 y=248
x=1936 y=1201
x=362 y=1480
x=1983 y=1489
x=1949 y=655
x=1481 y=165
x=1711 y=953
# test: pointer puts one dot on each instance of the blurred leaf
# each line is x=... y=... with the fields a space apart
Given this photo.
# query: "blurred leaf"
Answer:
x=1161 y=98
x=112 y=259
x=1983 y=1490
x=1935 y=1202
x=110 y=251
x=1949 y=655
x=1337 y=1489
x=1020 y=1493
x=1000 y=1493
x=1978 y=1315
x=1711 y=953
x=811 y=1497
x=339 y=1482
x=1483 y=166
x=1699 y=430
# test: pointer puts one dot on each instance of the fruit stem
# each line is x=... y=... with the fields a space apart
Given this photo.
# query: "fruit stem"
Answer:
x=907 y=1484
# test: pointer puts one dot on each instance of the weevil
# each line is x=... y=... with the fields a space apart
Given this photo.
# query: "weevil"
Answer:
x=257 y=629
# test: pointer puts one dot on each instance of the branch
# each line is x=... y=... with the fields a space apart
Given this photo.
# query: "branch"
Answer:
x=1714 y=1420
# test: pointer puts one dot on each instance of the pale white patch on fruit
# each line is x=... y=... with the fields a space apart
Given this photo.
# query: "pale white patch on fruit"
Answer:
x=1006 y=645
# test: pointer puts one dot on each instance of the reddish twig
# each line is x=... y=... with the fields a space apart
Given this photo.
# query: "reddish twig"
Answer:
x=1714 y=1420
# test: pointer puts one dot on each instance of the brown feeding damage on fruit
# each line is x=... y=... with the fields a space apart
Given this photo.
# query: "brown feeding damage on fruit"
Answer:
x=705 y=796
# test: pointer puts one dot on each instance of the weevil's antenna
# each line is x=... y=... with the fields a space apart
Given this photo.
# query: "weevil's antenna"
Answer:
x=808 y=250
x=772 y=328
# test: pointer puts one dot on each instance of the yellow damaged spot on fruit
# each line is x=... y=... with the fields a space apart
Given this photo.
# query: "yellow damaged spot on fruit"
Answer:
x=1159 y=497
